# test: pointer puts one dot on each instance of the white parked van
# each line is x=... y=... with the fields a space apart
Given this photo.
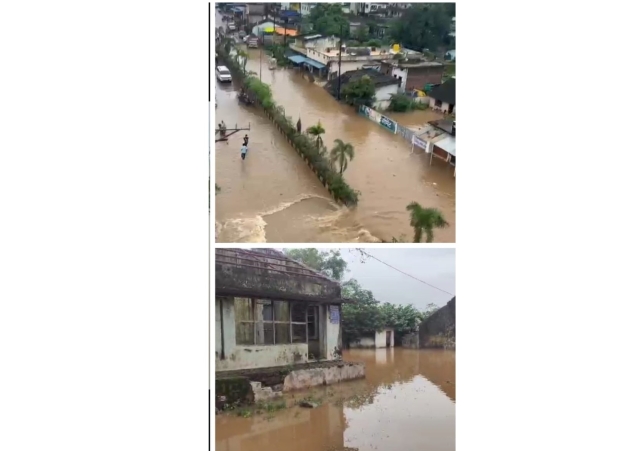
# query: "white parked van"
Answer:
x=223 y=74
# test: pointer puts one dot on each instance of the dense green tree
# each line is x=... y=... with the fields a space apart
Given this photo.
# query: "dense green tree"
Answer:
x=329 y=19
x=424 y=25
x=341 y=154
x=359 y=92
x=330 y=263
x=362 y=33
x=424 y=220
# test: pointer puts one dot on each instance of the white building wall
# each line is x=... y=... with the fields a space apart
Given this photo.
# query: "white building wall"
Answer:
x=347 y=66
x=383 y=96
x=332 y=333
x=397 y=72
x=364 y=342
x=380 y=339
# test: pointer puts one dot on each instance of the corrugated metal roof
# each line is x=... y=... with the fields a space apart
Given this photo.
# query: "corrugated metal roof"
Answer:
x=314 y=63
x=447 y=143
x=297 y=59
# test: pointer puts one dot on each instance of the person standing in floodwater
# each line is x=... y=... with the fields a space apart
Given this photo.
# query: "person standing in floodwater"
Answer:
x=245 y=140
x=244 y=151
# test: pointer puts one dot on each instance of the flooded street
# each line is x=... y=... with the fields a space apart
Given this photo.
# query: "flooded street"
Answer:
x=273 y=196
x=406 y=402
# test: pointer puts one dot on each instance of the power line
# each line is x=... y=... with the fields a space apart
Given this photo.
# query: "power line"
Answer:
x=406 y=274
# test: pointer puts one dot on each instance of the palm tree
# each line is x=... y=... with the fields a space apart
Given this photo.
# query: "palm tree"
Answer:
x=423 y=220
x=317 y=131
x=341 y=153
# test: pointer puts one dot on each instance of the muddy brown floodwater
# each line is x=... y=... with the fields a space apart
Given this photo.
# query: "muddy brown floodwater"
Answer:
x=406 y=402
x=273 y=196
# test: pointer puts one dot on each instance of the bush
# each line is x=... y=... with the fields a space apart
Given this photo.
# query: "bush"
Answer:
x=400 y=103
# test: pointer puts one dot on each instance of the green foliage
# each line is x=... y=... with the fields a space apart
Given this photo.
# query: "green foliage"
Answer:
x=341 y=153
x=278 y=52
x=362 y=33
x=424 y=25
x=424 y=220
x=400 y=103
x=359 y=92
x=317 y=131
x=449 y=70
x=261 y=91
x=330 y=263
x=374 y=43
x=217 y=189
x=328 y=19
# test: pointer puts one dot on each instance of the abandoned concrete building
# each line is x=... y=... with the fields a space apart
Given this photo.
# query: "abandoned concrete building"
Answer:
x=273 y=312
x=385 y=338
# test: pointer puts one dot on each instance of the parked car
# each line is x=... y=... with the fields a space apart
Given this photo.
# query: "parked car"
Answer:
x=232 y=26
x=242 y=34
x=223 y=74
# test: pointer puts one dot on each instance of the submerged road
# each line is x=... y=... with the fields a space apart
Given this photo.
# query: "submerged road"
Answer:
x=406 y=402
x=273 y=196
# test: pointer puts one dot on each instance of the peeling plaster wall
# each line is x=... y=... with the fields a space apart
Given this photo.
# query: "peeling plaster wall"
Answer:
x=246 y=357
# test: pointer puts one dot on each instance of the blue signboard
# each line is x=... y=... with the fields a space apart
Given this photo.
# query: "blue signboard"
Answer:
x=334 y=314
x=386 y=122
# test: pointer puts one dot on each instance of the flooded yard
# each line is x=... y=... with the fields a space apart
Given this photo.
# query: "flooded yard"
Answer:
x=406 y=402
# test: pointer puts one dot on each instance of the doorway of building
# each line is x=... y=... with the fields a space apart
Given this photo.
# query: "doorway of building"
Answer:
x=388 y=338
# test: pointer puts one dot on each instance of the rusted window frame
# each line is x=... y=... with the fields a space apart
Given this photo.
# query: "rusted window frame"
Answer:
x=255 y=323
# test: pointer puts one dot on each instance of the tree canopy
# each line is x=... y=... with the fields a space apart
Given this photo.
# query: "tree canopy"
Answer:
x=330 y=263
x=359 y=91
x=329 y=19
x=424 y=25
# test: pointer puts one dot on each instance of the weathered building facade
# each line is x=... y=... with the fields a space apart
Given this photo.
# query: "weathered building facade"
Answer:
x=273 y=311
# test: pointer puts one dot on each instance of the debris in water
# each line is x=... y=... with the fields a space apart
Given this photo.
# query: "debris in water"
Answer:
x=308 y=404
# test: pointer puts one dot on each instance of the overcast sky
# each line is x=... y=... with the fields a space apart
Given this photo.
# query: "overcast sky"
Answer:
x=434 y=266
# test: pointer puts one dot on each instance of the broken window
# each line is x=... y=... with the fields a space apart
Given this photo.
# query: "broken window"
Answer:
x=298 y=321
x=265 y=327
x=245 y=321
x=312 y=322
x=282 y=322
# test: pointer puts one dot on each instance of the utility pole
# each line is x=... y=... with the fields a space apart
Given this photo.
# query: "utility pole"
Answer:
x=339 y=69
x=285 y=29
